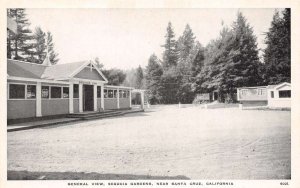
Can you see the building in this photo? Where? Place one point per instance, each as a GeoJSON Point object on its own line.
{"type": "Point", "coordinates": [274, 96]}
{"type": "Point", "coordinates": [35, 90]}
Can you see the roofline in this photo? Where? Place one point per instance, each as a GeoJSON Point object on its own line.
{"type": "Point", "coordinates": [36, 80]}
{"type": "Point", "coordinates": [83, 66]}
{"type": "Point", "coordinates": [27, 62]}
{"type": "Point", "coordinates": [279, 85]}
{"type": "Point", "coordinates": [122, 87]}
{"type": "Point", "coordinates": [252, 87]}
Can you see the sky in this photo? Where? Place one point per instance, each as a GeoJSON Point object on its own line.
{"type": "Point", "coordinates": [125, 38]}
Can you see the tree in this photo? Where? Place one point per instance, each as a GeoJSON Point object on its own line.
{"type": "Point", "coordinates": [169, 54]}
{"type": "Point", "coordinates": [277, 55]}
{"type": "Point", "coordinates": [98, 64]}
{"type": "Point", "coordinates": [53, 56]}
{"type": "Point", "coordinates": [39, 45]}
{"type": "Point", "coordinates": [114, 76]}
{"type": "Point", "coordinates": [242, 62]}
{"type": "Point", "coordinates": [17, 46]}
{"type": "Point", "coordinates": [154, 71]}
{"type": "Point", "coordinates": [185, 44]}
{"type": "Point", "coordinates": [139, 78]}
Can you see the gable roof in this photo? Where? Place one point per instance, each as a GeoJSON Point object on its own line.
{"type": "Point", "coordinates": [24, 69]}
{"type": "Point", "coordinates": [54, 72]}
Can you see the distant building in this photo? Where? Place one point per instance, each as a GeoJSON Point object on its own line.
{"type": "Point", "coordinates": [36, 90]}
{"type": "Point", "coordinates": [271, 95]}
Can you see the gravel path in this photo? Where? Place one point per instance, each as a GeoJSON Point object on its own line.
{"type": "Point", "coordinates": [190, 142]}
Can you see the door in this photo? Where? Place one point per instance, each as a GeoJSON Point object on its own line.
{"type": "Point", "coordinates": [88, 98]}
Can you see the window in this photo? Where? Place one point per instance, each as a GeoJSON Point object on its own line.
{"type": "Point", "coordinates": [45, 92]}
{"type": "Point", "coordinates": [31, 92]}
{"type": "Point", "coordinates": [261, 92]}
{"type": "Point", "coordinates": [124, 94]}
{"type": "Point", "coordinates": [285, 94]}
{"type": "Point", "coordinates": [128, 94]}
{"type": "Point", "coordinates": [16, 91]}
{"type": "Point", "coordinates": [272, 94]}
{"type": "Point", "coordinates": [98, 91]}
{"type": "Point", "coordinates": [105, 93]}
{"type": "Point", "coordinates": [115, 93]}
{"type": "Point", "coordinates": [76, 91]}
{"type": "Point", "coordinates": [120, 93]}
{"type": "Point", "coordinates": [65, 92]}
{"type": "Point", "coordinates": [110, 94]}
{"type": "Point", "coordinates": [55, 92]}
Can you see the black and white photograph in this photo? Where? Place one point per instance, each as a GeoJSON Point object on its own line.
{"type": "Point", "coordinates": [153, 96]}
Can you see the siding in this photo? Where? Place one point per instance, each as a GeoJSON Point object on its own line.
{"type": "Point", "coordinates": [254, 103]}
{"type": "Point", "coordinates": [55, 107]}
{"type": "Point", "coordinates": [110, 103]}
{"type": "Point", "coordinates": [98, 103]}
{"type": "Point", "coordinates": [76, 105]}
{"type": "Point", "coordinates": [86, 73]}
{"type": "Point", "coordinates": [124, 103]}
{"type": "Point", "coordinates": [21, 109]}
{"type": "Point", "coordinates": [252, 95]}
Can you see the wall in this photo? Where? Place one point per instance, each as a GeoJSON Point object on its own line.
{"type": "Point", "coordinates": [110, 103]}
{"type": "Point", "coordinates": [86, 73]}
{"type": "Point", "coordinates": [280, 103]}
{"type": "Point", "coordinates": [21, 109]}
{"type": "Point", "coordinates": [252, 95]}
{"type": "Point", "coordinates": [76, 105]}
{"type": "Point", "coordinates": [98, 103]}
{"type": "Point", "coordinates": [254, 103]}
{"type": "Point", "coordinates": [124, 103]}
{"type": "Point", "coordinates": [55, 106]}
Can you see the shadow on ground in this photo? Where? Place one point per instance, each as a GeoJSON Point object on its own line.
{"type": "Point", "coordinates": [25, 175]}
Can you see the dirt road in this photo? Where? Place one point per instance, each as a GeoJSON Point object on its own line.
{"type": "Point", "coordinates": [189, 142]}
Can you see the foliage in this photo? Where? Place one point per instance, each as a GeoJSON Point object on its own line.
{"type": "Point", "coordinates": [277, 55]}
{"type": "Point", "coordinates": [17, 44]}
{"type": "Point", "coordinates": [154, 71]}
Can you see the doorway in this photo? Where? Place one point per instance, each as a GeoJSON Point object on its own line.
{"type": "Point", "coordinates": [88, 98]}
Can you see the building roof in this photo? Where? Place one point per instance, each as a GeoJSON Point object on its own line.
{"type": "Point", "coordinates": [61, 71]}
{"type": "Point", "coordinates": [23, 69]}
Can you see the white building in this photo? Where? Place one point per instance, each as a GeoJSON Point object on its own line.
{"type": "Point", "coordinates": [273, 96]}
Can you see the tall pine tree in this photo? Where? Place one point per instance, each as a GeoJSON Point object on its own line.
{"type": "Point", "coordinates": [154, 71]}
{"type": "Point", "coordinates": [139, 78]}
{"type": "Point", "coordinates": [17, 44]}
{"type": "Point", "coordinates": [53, 56]}
{"type": "Point", "coordinates": [39, 45]}
{"type": "Point", "coordinates": [277, 55]}
{"type": "Point", "coordinates": [169, 54]}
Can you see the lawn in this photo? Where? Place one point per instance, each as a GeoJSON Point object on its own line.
{"type": "Point", "coordinates": [166, 142]}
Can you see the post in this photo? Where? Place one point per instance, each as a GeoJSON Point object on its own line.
{"type": "Point", "coordinates": [80, 98]}
{"type": "Point", "coordinates": [130, 99]}
{"type": "Point", "coordinates": [38, 99]}
{"type": "Point", "coordinates": [102, 97]}
{"type": "Point", "coordinates": [95, 98]}
{"type": "Point", "coordinates": [142, 99]}
{"type": "Point", "coordinates": [118, 98]}
{"type": "Point", "coordinates": [71, 90]}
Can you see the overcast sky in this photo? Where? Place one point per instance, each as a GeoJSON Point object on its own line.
{"type": "Point", "coordinates": [125, 38]}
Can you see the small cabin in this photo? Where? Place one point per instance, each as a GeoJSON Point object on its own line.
{"type": "Point", "coordinates": [275, 96]}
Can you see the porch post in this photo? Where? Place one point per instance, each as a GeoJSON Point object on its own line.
{"type": "Point", "coordinates": [118, 98]}
{"type": "Point", "coordinates": [142, 99]}
{"type": "Point", "coordinates": [102, 96]}
{"type": "Point", "coordinates": [95, 98]}
{"type": "Point", "coordinates": [71, 109]}
{"type": "Point", "coordinates": [130, 98]}
{"type": "Point", "coordinates": [38, 99]}
{"type": "Point", "coordinates": [80, 98]}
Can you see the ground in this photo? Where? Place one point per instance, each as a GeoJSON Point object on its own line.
{"type": "Point", "coordinates": [162, 143]}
